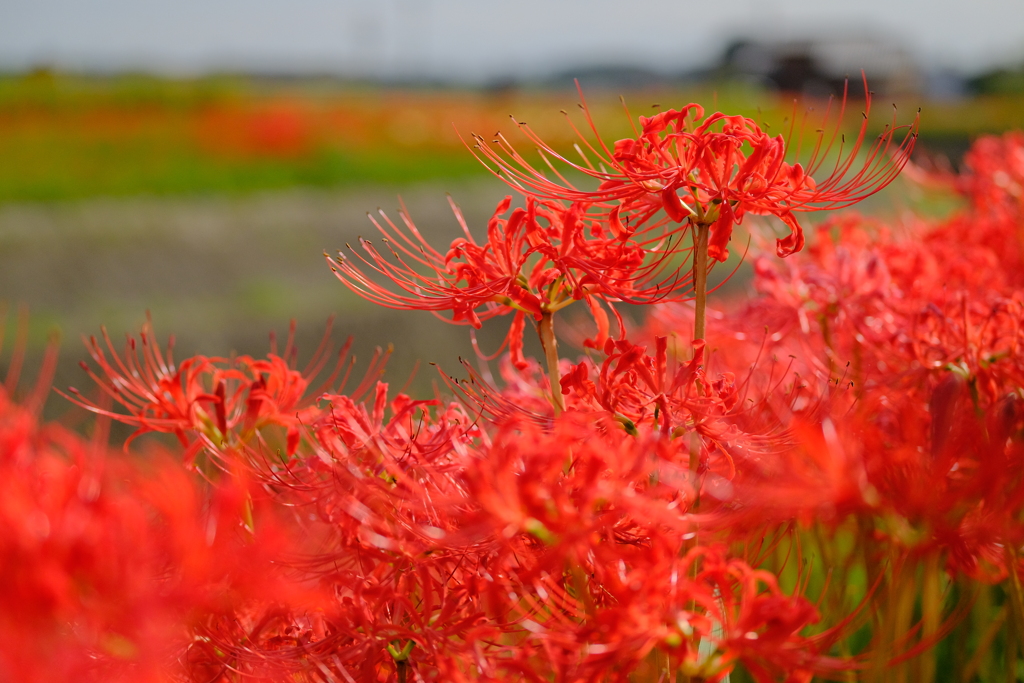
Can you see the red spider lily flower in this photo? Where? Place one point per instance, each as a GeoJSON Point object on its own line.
{"type": "Point", "coordinates": [739, 424]}
{"type": "Point", "coordinates": [712, 171]}
{"type": "Point", "coordinates": [105, 559]}
{"type": "Point", "coordinates": [536, 261]}
{"type": "Point", "coordinates": [700, 612]}
{"type": "Point", "coordinates": [224, 400]}
{"type": "Point", "coordinates": [600, 522]}
{"type": "Point", "coordinates": [764, 628]}
{"type": "Point", "coordinates": [994, 175]}
{"type": "Point", "coordinates": [374, 477]}
{"type": "Point", "coordinates": [557, 508]}
{"type": "Point", "coordinates": [398, 617]}
{"type": "Point", "coordinates": [993, 184]}
{"type": "Point", "coordinates": [906, 308]}
{"type": "Point", "coordinates": [657, 394]}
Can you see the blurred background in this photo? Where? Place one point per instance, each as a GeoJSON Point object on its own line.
{"type": "Point", "coordinates": [195, 159]}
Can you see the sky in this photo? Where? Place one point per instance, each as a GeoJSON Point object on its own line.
{"type": "Point", "coordinates": [480, 40]}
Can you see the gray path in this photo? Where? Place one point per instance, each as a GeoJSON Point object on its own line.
{"type": "Point", "coordinates": [221, 272]}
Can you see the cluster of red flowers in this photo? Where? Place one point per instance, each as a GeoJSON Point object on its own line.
{"type": "Point", "coordinates": [821, 485]}
{"type": "Point", "coordinates": [108, 562]}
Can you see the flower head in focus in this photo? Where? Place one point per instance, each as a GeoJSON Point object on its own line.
{"type": "Point", "coordinates": [714, 170]}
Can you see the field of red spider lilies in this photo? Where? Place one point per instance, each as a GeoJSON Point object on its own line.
{"type": "Point", "coordinates": [823, 480]}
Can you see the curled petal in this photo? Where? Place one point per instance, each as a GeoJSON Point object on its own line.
{"type": "Point", "coordinates": [794, 241]}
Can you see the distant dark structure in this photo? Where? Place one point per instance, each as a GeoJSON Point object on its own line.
{"type": "Point", "coordinates": [819, 67]}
